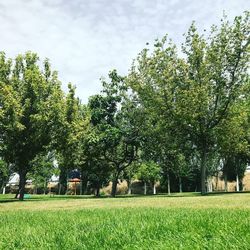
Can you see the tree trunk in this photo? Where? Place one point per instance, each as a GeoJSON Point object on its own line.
{"type": "Point", "coordinates": [180, 184]}
{"type": "Point", "coordinates": [129, 187]}
{"type": "Point", "coordinates": [217, 181]}
{"type": "Point", "coordinates": [3, 189]}
{"type": "Point", "coordinates": [168, 178]}
{"type": "Point", "coordinates": [67, 187]}
{"type": "Point", "coordinates": [63, 180]}
{"type": "Point", "coordinates": [225, 181]}
{"type": "Point", "coordinates": [86, 187]}
{"type": "Point", "coordinates": [81, 187]}
{"type": "Point", "coordinates": [145, 187]}
{"type": "Point", "coordinates": [22, 182]}
{"type": "Point", "coordinates": [44, 187]}
{"type": "Point", "coordinates": [154, 188]}
{"type": "Point", "coordinates": [75, 187]}
{"type": "Point", "coordinates": [114, 184]}
{"type": "Point", "coordinates": [203, 171]}
{"type": "Point", "coordinates": [84, 179]}
{"type": "Point", "coordinates": [209, 185]}
{"type": "Point", "coordinates": [60, 188]}
{"type": "Point", "coordinates": [17, 193]}
{"type": "Point", "coordinates": [97, 194]}
{"type": "Point", "coordinates": [237, 183]}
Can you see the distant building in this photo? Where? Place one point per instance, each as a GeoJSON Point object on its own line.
{"type": "Point", "coordinates": [14, 180]}
{"type": "Point", "coordinates": [248, 168]}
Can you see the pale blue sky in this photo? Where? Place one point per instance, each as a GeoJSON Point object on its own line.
{"type": "Point", "coordinates": [84, 39]}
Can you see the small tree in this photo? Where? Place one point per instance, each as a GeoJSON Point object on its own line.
{"type": "Point", "coordinates": [149, 172]}
{"type": "Point", "coordinates": [42, 169]}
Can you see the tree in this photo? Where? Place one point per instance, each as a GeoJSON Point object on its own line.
{"type": "Point", "coordinates": [112, 115]}
{"type": "Point", "coordinates": [43, 167]}
{"type": "Point", "coordinates": [149, 172]}
{"type": "Point", "coordinates": [30, 100]}
{"type": "Point", "coordinates": [4, 173]}
{"type": "Point", "coordinates": [233, 141]}
{"type": "Point", "coordinates": [69, 142]}
{"type": "Point", "coordinates": [216, 74]}
{"type": "Point", "coordinates": [193, 94]}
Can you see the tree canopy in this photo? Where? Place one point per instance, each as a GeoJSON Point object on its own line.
{"type": "Point", "coordinates": [178, 113]}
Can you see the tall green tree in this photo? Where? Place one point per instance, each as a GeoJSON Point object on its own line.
{"type": "Point", "coordinates": [193, 94]}
{"type": "Point", "coordinates": [112, 114]}
{"type": "Point", "coordinates": [216, 73]}
{"type": "Point", "coordinates": [30, 99]}
{"type": "Point", "coordinates": [233, 141]}
{"type": "Point", "coordinates": [69, 143]}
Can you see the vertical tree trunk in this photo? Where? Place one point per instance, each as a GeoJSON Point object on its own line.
{"type": "Point", "coordinates": [81, 187]}
{"type": "Point", "coordinates": [203, 171]}
{"type": "Point", "coordinates": [17, 193]}
{"type": "Point", "coordinates": [180, 184]}
{"type": "Point", "coordinates": [63, 180]}
{"type": "Point", "coordinates": [154, 187]}
{"type": "Point", "coordinates": [237, 183]}
{"type": "Point", "coordinates": [84, 178]}
{"type": "Point", "coordinates": [114, 184]}
{"type": "Point", "coordinates": [67, 187]}
{"type": "Point", "coordinates": [84, 186]}
{"type": "Point", "coordinates": [217, 181]}
{"type": "Point", "coordinates": [225, 181]}
{"type": "Point", "coordinates": [44, 187]}
{"type": "Point", "coordinates": [22, 182]}
{"type": "Point", "coordinates": [129, 187]}
{"type": "Point", "coordinates": [168, 179]}
{"type": "Point", "coordinates": [145, 187]}
{"type": "Point", "coordinates": [60, 188]}
{"type": "Point", "coordinates": [209, 185]}
{"type": "Point", "coordinates": [3, 189]}
{"type": "Point", "coordinates": [97, 190]}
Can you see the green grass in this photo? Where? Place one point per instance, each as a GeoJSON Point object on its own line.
{"type": "Point", "coordinates": [161, 222]}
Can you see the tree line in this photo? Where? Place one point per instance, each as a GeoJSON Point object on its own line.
{"type": "Point", "coordinates": [180, 116]}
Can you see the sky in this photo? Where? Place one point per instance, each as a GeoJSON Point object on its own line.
{"type": "Point", "coordinates": [85, 39]}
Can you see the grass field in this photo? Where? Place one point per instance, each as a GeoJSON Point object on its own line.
{"type": "Point", "coordinates": [153, 222]}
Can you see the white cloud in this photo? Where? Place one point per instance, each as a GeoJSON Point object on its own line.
{"type": "Point", "coordinates": [86, 39]}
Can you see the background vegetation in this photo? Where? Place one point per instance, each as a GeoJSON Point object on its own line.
{"type": "Point", "coordinates": [178, 117]}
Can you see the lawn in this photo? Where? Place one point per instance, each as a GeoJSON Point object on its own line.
{"type": "Point", "coordinates": [153, 222]}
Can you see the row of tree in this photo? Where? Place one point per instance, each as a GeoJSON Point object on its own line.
{"type": "Point", "coordinates": [175, 116]}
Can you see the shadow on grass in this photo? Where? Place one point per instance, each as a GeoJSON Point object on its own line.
{"type": "Point", "coordinates": [8, 200]}
{"type": "Point", "coordinates": [225, 193]}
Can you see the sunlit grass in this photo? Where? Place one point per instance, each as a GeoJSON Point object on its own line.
{"type": "Point", "coordinates": [154, 222]}
{"type": "Point", "coordinates": [232, 201]}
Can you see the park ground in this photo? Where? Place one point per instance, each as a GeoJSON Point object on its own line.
{"type": "Point", "coordinates": [187, 221]}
